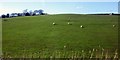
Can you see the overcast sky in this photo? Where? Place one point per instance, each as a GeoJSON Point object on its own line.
{"type": "Point", "coordinates": [60, 7]}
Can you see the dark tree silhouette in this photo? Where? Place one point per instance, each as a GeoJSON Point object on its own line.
{"type": "Point", "coordinates": [35, 11]}
{"type": "Point", "coordinates": [30, 12]}
{"type": "Point", "coordinates": [14, 14]}
{"type": "Point", "coordinates": [27, 14]}
{"type": "Point", "coordinates": [19, 14]}
{"type": "Point", "coordinates": [7, 15]}
{"type": "Point", "coordinates": [3, 16]}
{"type": "Point", "coordinates": [40, 12]}
{"type": "Point", "coordinates": [33, 14]}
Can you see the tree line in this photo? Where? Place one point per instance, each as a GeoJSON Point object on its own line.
{"type": "Point", "coordinates": [24, 13]}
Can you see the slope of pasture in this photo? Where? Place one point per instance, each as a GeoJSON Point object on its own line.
{"type": "Point", "coordinates": [36, 33]}
{"type": "Point", "coordinates": [0, 37]}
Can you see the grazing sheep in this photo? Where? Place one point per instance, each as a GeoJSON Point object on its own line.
{"type": "Point", "coordinates": [54, 23]}
{"type": "Point", "coordinates": [81, 26]}
{"type": "Point", "coordinates": [113, 25]}
{"type": "Point", "coordinates": [69, 23]}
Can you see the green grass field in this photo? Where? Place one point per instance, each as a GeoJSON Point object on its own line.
{"type": "Point", "coordinates": [36, 34]}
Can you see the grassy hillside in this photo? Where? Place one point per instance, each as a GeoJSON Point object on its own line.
{"type": "Point", "coordinates": [37, 33]}
{"type": "Point", "coordinates": [0, 37]}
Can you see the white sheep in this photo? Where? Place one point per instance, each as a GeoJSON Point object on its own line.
{"type": "Point", "coordinates": [69, 23]}
{"type": "Point", "coordinates": [113, 25]}
{"type": "Point", "coordinates": [81, 26]}
{"type": "Point", "coordinates": [53, 23]}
